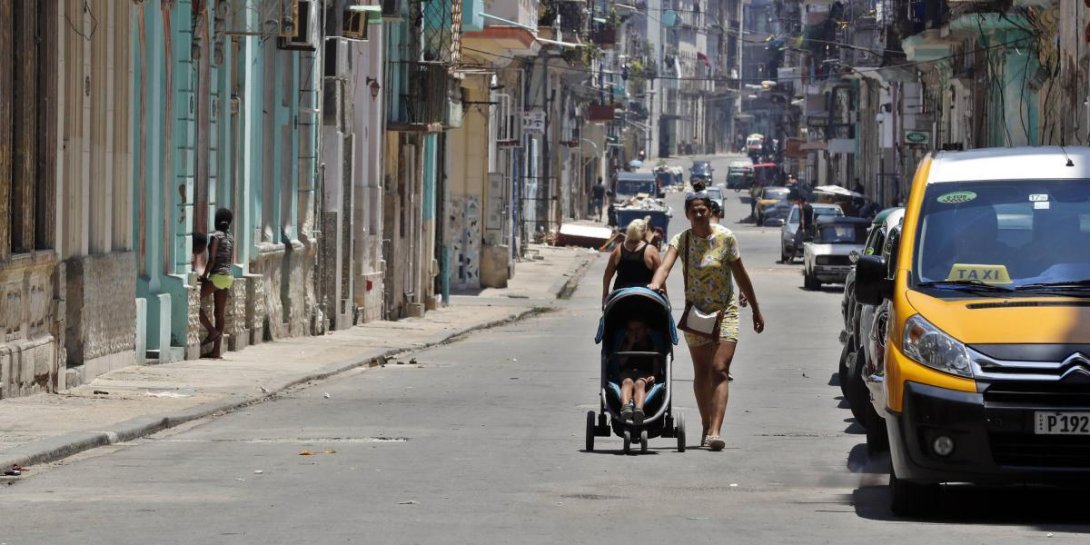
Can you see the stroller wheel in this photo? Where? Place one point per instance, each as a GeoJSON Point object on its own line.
{"type": "Point", "coordinates": [679, 432]}
{"type": "Point", "coordinates": [643, 442]}
{"type": "Point", "coordinates": [627, 441]}
{"type": "Point", "coordinates": [590, 431]}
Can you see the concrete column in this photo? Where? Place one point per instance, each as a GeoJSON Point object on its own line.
{"type": "Point", "coordinates": [141, 331]}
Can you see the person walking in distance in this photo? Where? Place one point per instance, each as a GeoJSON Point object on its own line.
{"type": "Point", "coordinates": [710, 258]}
{"type": "Point", "coordinates": [218, 277]}
{"type": "Point", "coordinates": [598, 195]}
{"type": "Point", "coordinates": [806, 221]}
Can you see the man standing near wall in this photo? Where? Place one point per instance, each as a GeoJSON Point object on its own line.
{"type": "Point", "coordinates": [598, 194]}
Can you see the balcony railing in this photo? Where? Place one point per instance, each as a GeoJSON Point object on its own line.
{"type": "Point", "coordinates": [424, 102]}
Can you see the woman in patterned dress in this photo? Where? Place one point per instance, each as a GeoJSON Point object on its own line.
{"type": "Point", "coordinates": [713, 259]}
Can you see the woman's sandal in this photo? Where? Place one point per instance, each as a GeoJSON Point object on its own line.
{"type": "Point", "coordinates": [716, 443]}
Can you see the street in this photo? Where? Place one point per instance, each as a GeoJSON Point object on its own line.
{"type": "Point", "coordinates": [481, 441]}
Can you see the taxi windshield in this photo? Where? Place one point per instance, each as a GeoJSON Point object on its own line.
{"type": "Point", "coordinates": [1019, 235]}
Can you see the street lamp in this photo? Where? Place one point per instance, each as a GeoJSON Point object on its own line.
{"type": "Point", "coordinates": [375, 87]}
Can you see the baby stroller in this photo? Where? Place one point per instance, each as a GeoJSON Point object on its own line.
{"type": "Point", "coordinates": [660, 421]}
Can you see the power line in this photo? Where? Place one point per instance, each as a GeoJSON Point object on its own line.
{"type": "Point", "coordinates": [861, 70]}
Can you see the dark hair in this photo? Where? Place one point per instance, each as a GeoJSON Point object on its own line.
{"type": "Point", "coordinates": [200, 243]}
{"type": "Point", "coordinates": [714, 206]}
{"type": "Point", "coordinates": [223, 219]}
{"type": "Point", "coordinates": [699, 186]}
{"type": "Point", "coordinates": [696, 196]}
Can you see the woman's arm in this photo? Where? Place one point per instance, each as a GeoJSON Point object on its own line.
{"type": "Point", "coordinates": [744, 284]}
{"type": "Point", "coordinates": [213, 247]}
{"type": "Point", "coordinates": [663, 271]}
{"type": "Point", "coordinates": [611, 269]}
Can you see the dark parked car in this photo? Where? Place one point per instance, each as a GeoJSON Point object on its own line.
{"type": "Point", "coordinates": [858, 325]}
{"type": "Point", "coordinates": [701, 170]}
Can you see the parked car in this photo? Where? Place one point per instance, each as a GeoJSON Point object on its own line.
{"type": "Point", "coordinates": [701, 170]}
{"type": "Point", "coordinates": [716, 194]}
{"type": "Point", "coordinates": [788, 250]}
{"type": "Point", "coordinates": [828, 258]}
{"type": "Point", "coordinates": [982, 371]}
{"type": "Point", "coordinates": [740, 175]}
{"type": "Point", "coordinates": [768, 196]}
{"type": "Point", "coordinates": [776, 215]}
{"type": "Point", "coordinates": [858, 319]}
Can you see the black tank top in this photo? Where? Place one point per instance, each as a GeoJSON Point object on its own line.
{"type": "Point", "coordinates": [631, 270]}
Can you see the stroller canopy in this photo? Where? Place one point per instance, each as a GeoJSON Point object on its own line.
{"type": "Point", "coordinates": [628, 303]}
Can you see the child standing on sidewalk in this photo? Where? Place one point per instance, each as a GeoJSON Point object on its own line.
{"type": "Point", "coordinates": [218, 277]}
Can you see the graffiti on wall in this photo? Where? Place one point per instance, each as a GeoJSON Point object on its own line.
{"type": "Point", "coordinates": [465, 229]}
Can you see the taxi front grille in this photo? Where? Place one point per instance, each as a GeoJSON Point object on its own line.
{"type": "Point", "coordinates": [1052, 395]}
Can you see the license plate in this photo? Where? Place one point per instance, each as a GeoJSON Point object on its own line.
{"type": "Point", "coordinates": [1062, 423]}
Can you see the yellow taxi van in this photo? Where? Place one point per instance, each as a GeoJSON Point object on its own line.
{"type": "Point", "coordinates": [985, 374]}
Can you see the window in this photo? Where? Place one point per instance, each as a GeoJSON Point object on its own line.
{"type": "Point", "coordinates": [28, 146]}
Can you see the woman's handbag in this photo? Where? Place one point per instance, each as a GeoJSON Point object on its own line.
{"type": "Point", "coordinates": [692, 319]}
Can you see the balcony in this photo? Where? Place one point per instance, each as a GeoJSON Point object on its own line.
{"type": "Point", "coordinates": [604, 35]}
{"type": "Point", "coordinates": [423, 102]}
{"type": "Point", "coordinates": [508, 29]}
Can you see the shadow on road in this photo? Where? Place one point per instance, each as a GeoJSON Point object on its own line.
{"type": "Point", "coordinates": [651, 451]}
{"type": "Point", "coordinates": [1048, 509]}
{"type": "Point", "coordinates": [854, 428]}
{"type": "Point", "coordinates": [1043, 507]}
{"type": "Point", "coordinates": [834, 380]}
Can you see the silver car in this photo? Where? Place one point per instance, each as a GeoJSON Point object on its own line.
{"type": "Point", "coordinates": [716, 194]}
{"type": "Point", "coordinates": [788, 250]}
{"type": "Point", "coordinates": [830, 256]}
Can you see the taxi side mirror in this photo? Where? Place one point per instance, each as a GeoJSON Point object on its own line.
{"type": "Point", "coordinates": [872, 286]}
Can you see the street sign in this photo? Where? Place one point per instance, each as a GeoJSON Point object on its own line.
{"type": "Point", "coordinates": [533, 121]}
{"type": "Point", "coordinates": [917, 137]}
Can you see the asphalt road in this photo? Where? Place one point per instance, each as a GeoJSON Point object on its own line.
{"type": "Point", "coordinates": [481, 441]}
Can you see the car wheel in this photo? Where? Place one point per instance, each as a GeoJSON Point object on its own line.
{"type": "Point", "coordinates": [877, 433]}
{"type": "Point", "coordinates": [842, 368]}
{"type": "Point", "coordinates": [911, 499]}
{"type": "Point", "coordinates": [855, 391]}
{"type": "Point", "coordinates": [810, 282]}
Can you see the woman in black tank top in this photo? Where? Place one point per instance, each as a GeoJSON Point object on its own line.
{"type": "Point", "coordinates": [634, 262]}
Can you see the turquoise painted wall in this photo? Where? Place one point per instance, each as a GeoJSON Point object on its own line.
{"type": "Point", "coordinates": [252, 152]}
{"type": "Point", "coordinates": [472, 15]}
{"type": "Point", "coordinates": [431, 168]}
{"type": "Point", "coordinates": [150, 61]}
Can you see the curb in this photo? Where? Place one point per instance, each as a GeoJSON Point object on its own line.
{"type": "Point", "coordinates": [52, 449]}
{"type": "Point", "coordinates": [565, 287]}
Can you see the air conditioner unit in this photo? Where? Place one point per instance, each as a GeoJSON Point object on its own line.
{"type": "Point", "coordinates": [355, 25]}
{"type": "Point", "coordinates": [304, 27]}
{"type": "Point", "coordinates": [289, 14]}
{"type": "Point", "coordinates": [358, 18]}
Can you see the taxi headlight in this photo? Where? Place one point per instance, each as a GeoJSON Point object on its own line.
{"type": "Point", "coordinates": [926, 344]}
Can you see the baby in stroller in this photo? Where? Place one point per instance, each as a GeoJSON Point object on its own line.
{"type": "Point", "coordinates": [637, 373]}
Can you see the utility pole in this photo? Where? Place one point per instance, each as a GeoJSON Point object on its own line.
{"type": "Point", "coordinates": [544, 203]}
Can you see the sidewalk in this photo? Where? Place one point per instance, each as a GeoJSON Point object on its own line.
{"type": "Point", "coordinates": [139, 400]}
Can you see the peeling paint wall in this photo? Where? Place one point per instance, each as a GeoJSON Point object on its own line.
{"type": "Point", "coordinates": [464, 223]}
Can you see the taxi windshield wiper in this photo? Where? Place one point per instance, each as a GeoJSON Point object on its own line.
{"type": "Point", "coordinates": [1059, 285]}
{"type": "Point", "coordinates": [965, 285]}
